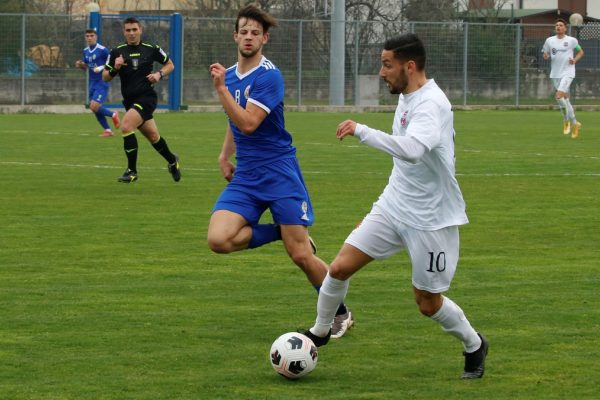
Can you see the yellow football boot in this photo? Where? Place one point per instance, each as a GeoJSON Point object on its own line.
{"type": "Point", "coordinates": [575, 133]}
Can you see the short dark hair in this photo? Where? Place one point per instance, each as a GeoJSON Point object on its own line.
{"type": "Point", "coordinates": [132, 20]}
{"type": "Point", "coordinates": [91, 31]}
{"type": "Point", "coordinates": [251, 11]}
{"type": "Point", "coordinates": [561, 20]}
{"type": "Point", "coordinates": [407, 47]}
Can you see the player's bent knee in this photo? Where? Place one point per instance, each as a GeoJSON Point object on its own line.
{"type": "Point", "coordinates": [219, 246]}
{"type": "Point", "coordinates": [428, 306]}
{"type": "Point", "coordinates": [337, 272]}
{"type": "Point", "coordinates": [127, 128]}
{"type": "Point", "coordinates": [427, 310]}
{"type": "Point", "coordinates": [300, 258]}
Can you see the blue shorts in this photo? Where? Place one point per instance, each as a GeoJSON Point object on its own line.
{"type": "Point", "coordinates": [98, 91]}
{"type": "Point", "coordinates": [278, 186]}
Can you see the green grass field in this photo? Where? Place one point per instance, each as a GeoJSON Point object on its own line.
{"type": "Point", "coordinates": [108, 291]}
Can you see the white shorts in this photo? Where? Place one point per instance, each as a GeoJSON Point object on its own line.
{"type": "Point", "coordinates": [433, 254]}
{"type": "Point", "coordinates": [563, 84]}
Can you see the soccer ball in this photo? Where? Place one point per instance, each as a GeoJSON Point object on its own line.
{"type": "Point", "coordinates": [576, 19]}
{"type": "Point", "coordinates": [293, 355]}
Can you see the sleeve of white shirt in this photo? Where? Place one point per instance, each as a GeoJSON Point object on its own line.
{"type": "Point", "coordinates": [404, 147]}
{"type": "Point", "coordinates": [546, 48]}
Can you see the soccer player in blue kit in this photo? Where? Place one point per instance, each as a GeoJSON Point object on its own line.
{"type": "Point", "coordinates": [94, 58]}
{"type": "Point", "coordinates": [266, 174]}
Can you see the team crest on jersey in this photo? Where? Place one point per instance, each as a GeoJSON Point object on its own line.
{"type": "Point", "coordinates": [247, 92]}
{"type": "Point", "coordinates": [304, 210]}
{"type": "Point", "coordinates": [565, 44]}
{"type": "Point", "coordinates": [403, 120]}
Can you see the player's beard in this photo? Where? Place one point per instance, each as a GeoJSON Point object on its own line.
{"type": "Point", "coordinates": [400, 84]}
{"type": "Point", "coordinates": [249, 53]}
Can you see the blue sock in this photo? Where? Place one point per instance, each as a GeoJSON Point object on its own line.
{"type": "Point", "coordinates": [263, 234]}
{"type": "Point", "coordinates": [105, 112]}
{"type": "Point", "coordinates": [102, 120]}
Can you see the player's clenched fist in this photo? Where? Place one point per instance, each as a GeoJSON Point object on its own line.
{"type": "Point", "coordinates": [217, 73]}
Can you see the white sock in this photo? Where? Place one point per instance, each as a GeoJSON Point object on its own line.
{"type": "Point", "coordinates": [452, 319]}
{"type": "Point", "coordinates": [332, 293]}
{"type": "Point", "coordinates": [570, 112]}
{"type": "Point", "coordinates": [562, 104]}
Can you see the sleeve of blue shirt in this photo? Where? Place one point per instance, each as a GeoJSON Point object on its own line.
{"type": "Point", "coordinates": [267, 91]}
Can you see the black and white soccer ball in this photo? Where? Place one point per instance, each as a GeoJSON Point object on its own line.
{"type": "Point", "coordinates": [293, 355]}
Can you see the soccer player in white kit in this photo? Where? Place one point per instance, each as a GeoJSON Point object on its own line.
{"type": "Point", "coordinates": [564, 52]}
{"type": "Point", "coordinates": [419, 210]}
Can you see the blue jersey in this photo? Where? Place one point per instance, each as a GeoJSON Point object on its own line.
{"type": "Point", "coordinates": [270, 142]}
{"type": "Point", "coordinates": [95, 57]}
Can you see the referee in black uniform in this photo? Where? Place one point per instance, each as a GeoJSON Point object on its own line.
{"type": "Point", "coordinates": [133, 62]}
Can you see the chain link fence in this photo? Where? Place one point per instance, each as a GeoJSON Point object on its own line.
{"type": "Point", "coordinates": [476, 64]}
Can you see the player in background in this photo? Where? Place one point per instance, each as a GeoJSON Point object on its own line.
{"type": "Point", "coordinates": [419, 210]}
{"type": "Point", "coordinates": [134, 61]}
{"type": "Point", "coordinates": [94, 58]}
{"type": "Point", "coordinates": [267, 174]}
{"type": "Point", "coordinates": [564, 52]}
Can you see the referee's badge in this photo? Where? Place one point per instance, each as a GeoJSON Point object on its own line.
{"type": "Point", "coordinates": [304, 210]}
{"type": "Point", "coordinates": [135, 62]}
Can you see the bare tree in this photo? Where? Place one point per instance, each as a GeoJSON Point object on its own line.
{"type": "Point", "coordinates": [430, 10]}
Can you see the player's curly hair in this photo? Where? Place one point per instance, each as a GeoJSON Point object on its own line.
{"type": "Point", "coordinates": [251, 11]}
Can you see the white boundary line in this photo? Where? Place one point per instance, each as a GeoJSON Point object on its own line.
{"type": "Point", "coordinates": [484, 174]}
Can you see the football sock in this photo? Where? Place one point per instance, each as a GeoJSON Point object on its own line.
{"type": "Point", "coordinates": [452, 319]}
{"type": "Point", "coordinates": [105, 112]}
{"type": "Point", "coordinates": [562, 104]}
{"type": "Point", "coordinates": [102, 120]}
{"type": "Point", "coordinates": [332, 293]}
{"type": "Point", "coordinates": [130, 145]}
{"type": "Point", "coordinates": [161, 146]}
{"type": "Point", "coordinates": [263, 234]}
{"type": "Point", "coordinates": [341, 308]}
{"type": "Point", "coordinates": [570, 112]}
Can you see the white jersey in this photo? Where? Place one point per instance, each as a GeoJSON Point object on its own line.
{"type": "Point", "coordinates": [422, 194]}
{"type": "Point", "coordinates": [561, 50]}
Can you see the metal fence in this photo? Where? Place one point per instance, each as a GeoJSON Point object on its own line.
{"type": "Point", "coordinates": [495, 64]}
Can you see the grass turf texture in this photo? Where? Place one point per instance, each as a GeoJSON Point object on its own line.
{"type": "Point", "coordinates": [108, 290]}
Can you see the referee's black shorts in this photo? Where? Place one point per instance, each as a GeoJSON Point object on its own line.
{"type": "Point", "coordinates": [144, 104]}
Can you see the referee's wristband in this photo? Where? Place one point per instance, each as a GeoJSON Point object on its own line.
{"type": "Point", "coordinates": [113, 72]}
